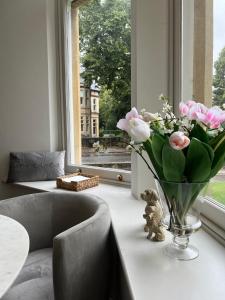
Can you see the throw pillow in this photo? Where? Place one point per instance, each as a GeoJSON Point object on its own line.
{"type": "Point", "coordinates": [35, 166]}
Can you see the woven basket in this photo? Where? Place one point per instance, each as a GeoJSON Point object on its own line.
{"type": "Point", "coordinates": [77, 185]}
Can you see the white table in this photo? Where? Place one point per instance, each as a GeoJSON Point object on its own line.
{"type": "Point", "coordinates": [14, 247]}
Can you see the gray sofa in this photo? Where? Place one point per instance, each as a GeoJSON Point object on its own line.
{"type": "Point", "coordinates": [69, 255]}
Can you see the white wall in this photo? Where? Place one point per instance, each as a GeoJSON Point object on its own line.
{"type": "Point", "coordinates": [150, 69]}
{"type": "Point", "coordinates": [187, 49]}
{"type": "Point", "coordinates": [28, 82]}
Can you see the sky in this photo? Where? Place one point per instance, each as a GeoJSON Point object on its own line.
{"type": "Point", "coordinates": [219, 27]}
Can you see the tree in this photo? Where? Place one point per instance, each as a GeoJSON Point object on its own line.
{"type": "Point", "coordinates": [105, 33]}
{"type": "Point", "coordinates": [107, 119]}
{"type": "Point", "coordinates": [219, 80]}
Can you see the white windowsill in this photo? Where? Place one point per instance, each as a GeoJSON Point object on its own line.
{"type": "Point", "coordinates": [149, 273]}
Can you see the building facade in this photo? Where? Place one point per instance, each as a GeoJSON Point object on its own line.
{"type": "Point", "coordinates": [89, 103]}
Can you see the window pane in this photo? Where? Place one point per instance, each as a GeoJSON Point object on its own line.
{"type": "Point", "coordinates": [105, 55]}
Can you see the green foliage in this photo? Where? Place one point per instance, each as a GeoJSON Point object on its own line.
{"type": "Point", "coordinates": [148, 148]}
{"type": "Point", "coordinates": [158, 142]}
{"type": "Point", "coordinates": [219, 157]}
{"type": "Point", "coordinates": [219, 80]}
{"type": "Point", "coordinates": [199, 133]}
{"type": "Point", "coordinates": [107, 120]}
{"type": "Point", "coordinates": [210, 151]}
{"type": "Point", "coordinates": [214, 141]}
{"type": "Point", "coordinates": [198, 162]}
{"type": "Point", "coordinates": [105, 33]}
{"type": "Point", "coordinates": [173, 162]}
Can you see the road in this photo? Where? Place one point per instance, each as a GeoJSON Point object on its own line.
{"type": "Point", "coordinates": [107, 158]}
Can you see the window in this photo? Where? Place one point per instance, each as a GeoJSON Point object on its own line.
{"type": "Point", "coordinates": [87, 124]}
{"type": "Point", "coordinates": [94, 127]}
{"type": "Point", "coordinates": [94, 104]}
{"type": "Point", "coordinates": [157, 62]}
{"type": "Point", "coordinates": [97, 92]}
{"type": "Point", "coordinates": [82, 123]}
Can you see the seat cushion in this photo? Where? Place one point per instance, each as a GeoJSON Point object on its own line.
{"type": "Point", "coordinates": [35, 279]}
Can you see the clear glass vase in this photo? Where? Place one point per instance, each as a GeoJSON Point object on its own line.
{"type": "Point", "coordinates": [179, 218]}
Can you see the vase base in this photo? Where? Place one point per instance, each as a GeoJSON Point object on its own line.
{"type": "Point", "coordinates": [188, 253]}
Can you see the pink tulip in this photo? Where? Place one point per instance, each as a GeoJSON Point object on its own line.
{"type": "Point", "coordinates": [213, 117]}
{"type": "Point", "coordinates": [191, 108]}
{"type": "Point", "coordinates": [190, 103]}
{"type": "Point", "coordinates": [195, 109]}
{"type": "Point", "coordinates": [133, 124]}
{"type": "Point", "coordinates": [178, 140]}
{"type": "Point", "coordinates": [184, 109]}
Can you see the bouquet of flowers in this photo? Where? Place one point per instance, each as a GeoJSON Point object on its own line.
{"type": "Point", "coordinates": [183, 152]}
{"type": "Point", "coordinates": [190, 148]}
{"type": "Point", "coordinates": [185, 149]}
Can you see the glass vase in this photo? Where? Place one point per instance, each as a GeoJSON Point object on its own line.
{"type": "Point", "coordinates": [179, 218]}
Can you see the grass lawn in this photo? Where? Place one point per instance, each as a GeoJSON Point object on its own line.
{"type": "Point", "coordinates": [216, 190]}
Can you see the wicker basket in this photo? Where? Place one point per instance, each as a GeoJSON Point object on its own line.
{"type": "Point", "coordinates": [77, 186]}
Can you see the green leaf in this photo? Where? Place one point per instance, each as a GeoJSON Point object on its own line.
{"type": "Point", "coordinates": [210, 151]}
{"type": "Point", "coordinates": [214, 141]}
{"type": "Point", "coordinates": [219, 156]}
{"type": "Point", "coordinates": [173, 162]}
{"type": "Point", "coordinates": [158, 142]}
{"type": "Point", "coordinates": [158, 169]}
{"type": "Point", "coordinates": [198, 164]}
{"type": "Point", "coordinates": [199, 133]}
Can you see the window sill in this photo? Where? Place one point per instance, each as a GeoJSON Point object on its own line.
{"type": "Point", "coordinates": [148, 272]}
{"type": "Point", "coordinates": [106, 174]}
{"type": "Point", "coordinates": [210, 211]}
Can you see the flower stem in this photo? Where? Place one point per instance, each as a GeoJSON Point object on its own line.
{"type": "Point", "coordinates": [140, 154]}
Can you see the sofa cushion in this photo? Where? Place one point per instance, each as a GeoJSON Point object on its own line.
{"type": "Point", "coordinates": [35, 279]}
{"type": "Point", "coordinates": [37, 265]}
{"type": "Point", "coordinates": [34, 289]}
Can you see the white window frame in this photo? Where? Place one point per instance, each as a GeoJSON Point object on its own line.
{"type": "Point", "coordinates": [212, 217]}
